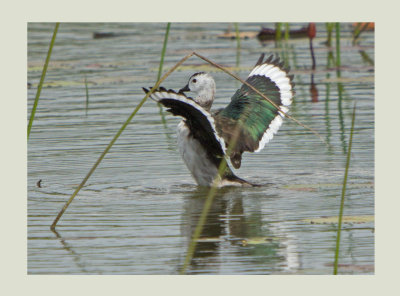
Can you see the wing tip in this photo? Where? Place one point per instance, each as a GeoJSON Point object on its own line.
{"type": "Point", "coordinates": [260, 60]}
{"type": "Point", "coordinates": [273, 59]}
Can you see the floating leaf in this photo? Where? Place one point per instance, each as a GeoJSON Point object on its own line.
{"type": "Point", "coordinates": [242, 35]}
{"type": "Point", "coordinates": [348, 79]}
{"type": "Point", "coordinates": [209, 240]}
{"type": "Point", "coordinates": [346, 219]}
{"type": "Point", "coordinates": [258, 240]}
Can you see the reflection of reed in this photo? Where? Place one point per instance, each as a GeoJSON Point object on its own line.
{"type": "Point", "coordinates": [213, 229]}
{"type": "Point", "coordinates": [313, 90]}
{"type": "Point", "coordinates": [237, 45]}
{"type": "Point", "coordinates": [339, 229]}
{"type": "Point", "coordinates": [75, 256]}
{"type": "Point", "coordinates": [341, 118]}
{"type": "Point", "coordinates": [340, 89]}
{"type": "Point", "coordinates": [330, 62]}
{"type": "Point", "coordinates": [312, 32]}
{"type": "Point", "coordinates": [87, 96]}
{"type": "Point", "coordinates": [227, 225]}
{"type": "Point", "coordinates": [327, 118]}
{"type": "Point", "coordinates": [282, 44]}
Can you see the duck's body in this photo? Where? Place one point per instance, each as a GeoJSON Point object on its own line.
{"type": "Point", "coordinates": [202, 167]}
{"type": "Point", "coordinates": [195, 156]}
{"type": "Point", "coordinates": [203, 137]}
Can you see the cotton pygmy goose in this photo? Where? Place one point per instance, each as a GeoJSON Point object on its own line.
{"type": "Point", "coordinates": [204, 136]}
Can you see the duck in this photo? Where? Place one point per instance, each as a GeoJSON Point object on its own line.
{"type": "Point", "coordinates": [204, 135]}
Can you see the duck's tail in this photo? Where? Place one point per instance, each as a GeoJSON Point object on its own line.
{"type": "Point", "coordinates": [230, 179]}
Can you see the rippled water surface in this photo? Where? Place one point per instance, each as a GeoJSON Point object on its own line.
{"type": "Point", "coordinates": [139, 209]}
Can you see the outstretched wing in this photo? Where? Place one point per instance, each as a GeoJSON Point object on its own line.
{"type": "Point", "coordinates": [254, 118]}
{"type": "Point", "coordinates": [199, 121]}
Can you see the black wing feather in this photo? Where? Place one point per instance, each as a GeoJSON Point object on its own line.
{"type": "Point", "coordinates": [196, 118]}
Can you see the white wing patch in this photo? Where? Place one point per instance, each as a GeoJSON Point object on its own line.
{"type": "Point", "coordinates": [282, 80]}
{"type": "Point", "coordinates": [158, 95]}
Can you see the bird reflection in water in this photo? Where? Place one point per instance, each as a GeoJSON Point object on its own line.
{"type": "Point", "coordinates": [229, 230]}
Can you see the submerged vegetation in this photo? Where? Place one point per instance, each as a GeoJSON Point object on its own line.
{"type": "Point", "coordinates": [281, 36]}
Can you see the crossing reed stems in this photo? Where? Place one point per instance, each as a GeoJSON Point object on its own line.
{"type": "Point", "coordinates": [262, 95]}
{"type": "Point", "coordinates": [53, 226]}
{"type": "Point", "coordinates": [213, 190]}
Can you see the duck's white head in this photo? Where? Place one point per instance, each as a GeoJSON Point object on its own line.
{"type": "Point", "coordinates": [203, 85]}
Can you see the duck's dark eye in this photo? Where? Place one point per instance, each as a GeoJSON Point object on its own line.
{"type": "Point", "coordinates": [194, 80]}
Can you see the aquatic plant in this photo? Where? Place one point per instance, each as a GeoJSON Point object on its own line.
{"type": "Point", "coordinates": [338, 60]}
{"type": "Point", "coordinates": [53, 225]}
{"type": "Point", "coordinates": [278, 32]}
{"type": "Point", "coordinates": [237, 45]}
{"type": "Point", "coordinates": [40, 85]}
{"type": "Point", "coordinates": [87, 95]}
{"type": "Point", "coordinates": [343, 194]}
{"type": "Point", "coordinates": [160, 68]}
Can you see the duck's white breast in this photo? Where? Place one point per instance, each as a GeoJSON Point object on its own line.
{"type": "Point", "coordinates": [195, 157]}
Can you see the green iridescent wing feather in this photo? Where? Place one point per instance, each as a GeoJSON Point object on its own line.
{"type": "Point", "coordinates": [250, 115]}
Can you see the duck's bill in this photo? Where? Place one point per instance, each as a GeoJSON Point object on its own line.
{"type": "Point", "coordinates": [186, 88]}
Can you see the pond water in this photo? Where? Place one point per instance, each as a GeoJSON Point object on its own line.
{"type": "Point", "coordinates": [137, 212]}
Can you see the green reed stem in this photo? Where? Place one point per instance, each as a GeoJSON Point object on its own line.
{"type": "Point", "coordinates": [335, 265]}
{"type": "Point", "coordinates": [163, 51]}
{"type": "Point", "coordinates": [160, 68]}
{"type": "Point", "coordinates": [338, 61]}
{"type": "Point", "coordinates": [278, 31]}
{"type": "Point", "coordinates": [358, 30]}
{"type": "Point", "coordinates": [287, 32]}
{"type": "Point", "coordinates": [53, 226]}
{"type": "Point", "coordinates": [39, 89]}
{"type": "Point", "coordinates": [366, 57]}
{"type": "Point", "coordinates": [329, 29]}
{"type": "Point", "coordinates": [237, 45]}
